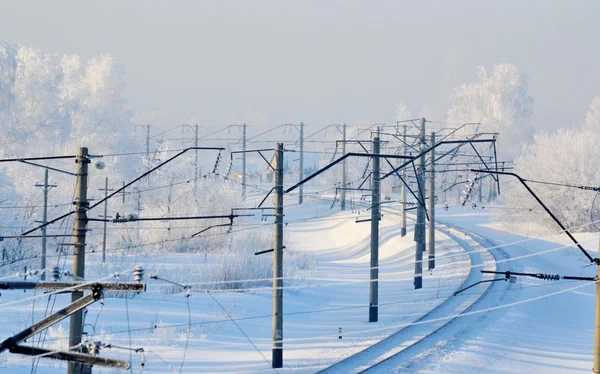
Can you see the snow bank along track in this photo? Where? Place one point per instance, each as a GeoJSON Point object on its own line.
{"type": "Point", "coordinates": [407, 340]}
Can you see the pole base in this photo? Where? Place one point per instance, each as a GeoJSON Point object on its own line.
{"type": "Point", "coordinates": [277, 358]}
{"type": "Point", "coordinates": [373, 313]}
{"type": "Point", "coordinates": [431, 262]}
{"type": "Point", "coordinates": [418, 282]}
{"type": "Point", "coordinates": [402, 232]}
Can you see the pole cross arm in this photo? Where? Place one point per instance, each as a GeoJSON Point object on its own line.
{"type": "Point", "coordinates": [52, 319]}
{"type": "Point", "coordinates": [22, 159]}
{"type": "Point", "coordinates": [211, 227]}
{"type": "Point", "coordinates": [435, 146]}
{"type": "Point", "coordinates": [124, 287]}
{"type": "Point", "coordinates": [351, 154]}
{"type": "Point", "coordinates": [71, 356]}
{"type": "Point", "coordinates": [121, 219]}
{"type": "Point", "coordinates": [49, 168]}
{"type": "Point", "coordinates": [480, 282]}
{"type": "Point", "coordinates": [544, 276]}
{"type": "Point", "coordinates": [592, 260]}
{"type": "Point", "coordinates": [117, 191]}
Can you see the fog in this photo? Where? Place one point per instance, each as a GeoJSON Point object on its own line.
{"type": "Point", "coordinates": [268, 62]}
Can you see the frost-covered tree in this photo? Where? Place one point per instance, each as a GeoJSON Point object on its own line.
{"type": "Point", "coordinates": [500, 101]}
{"type": "Point", "coordinates": [591, 122]}
{"type": "Point", "coordinates": [402, 112]}
{"type": "Point", "coordinates": [567, 156]}
{"type": "Point", "coordinates": [51, 105]}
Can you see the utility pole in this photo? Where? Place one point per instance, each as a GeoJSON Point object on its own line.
{"type": "Point", "coordinates": [480, 188]}
{"type": "Point", "coordinates": [244, 162]}
{"type": "Point", "coordinates": [403, 187]}
{"type": "Point", "coordinates": [277, 358]}
{"type": "Point", "coordinates": [343, 193]}
{"type": "Point", "coordinates": [196, 158]}
{"type": "Point", "coordinates": [139, 199]}
{"type": "Point", "coordinates": [371, 179]}
{"type": "Point", "coordinates": [105, 217]}
{"type": "Point", "coordinates": [491, 184]}
{"type": "Point", "coordinates": [45, 187]}
{"type": "Point", "coordinates": [301, 171]}
{"type": "Point", "coordinates": [596, 368]}
{"type": "Point", "coordinates": [432, 205]}
{"type": "Point", "coordinates": [375, 216]}
{"type": "Point", "coordinates": [420, 225]}
{"type": "Point", "coordinates": [148, 142]}
{"type": "Point", "coordinates": [79, 231]}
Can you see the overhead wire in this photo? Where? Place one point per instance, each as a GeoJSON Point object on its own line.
{"type": "Point", "coordinates": [393, 326]}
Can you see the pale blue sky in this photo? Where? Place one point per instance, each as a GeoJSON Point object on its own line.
{"type": "Point", "coordinates": [321, 61]}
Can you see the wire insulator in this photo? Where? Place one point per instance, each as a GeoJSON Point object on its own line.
{"type": "Point", "coordinates": [142, 361]}
{"type": "Point", "coordinates": [545, 276]}
{"type": "Point", "coordinates": [138, 274]}
{"type": "Point", "coordinates": [228, 169]}
{"type": "Point", "coordinates": [55, 275]}
{"type": "Point", "coordinates": [94, 348]}
{"type": "Point", "coordinates": [334, 153]}
{"type": "Point", "coordinates": [217, 163]}
{"type": "Point", "coordinates": [364, 175]}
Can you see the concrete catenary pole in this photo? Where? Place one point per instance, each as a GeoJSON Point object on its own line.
{"type": "Point", "coordinates": [301, 168]}
{"type": "Point", "coordinates": [343, 192]}
{"type": "Point", "coordinates": [420, 225]}
{"type": "Point", "coordinates": [375, 216]}
{"type": "Point", "coordinates": [596, 368]}
{"type": "Point", "coordinates": [432, 205]}
{"type": "Point", "coordinates": [244, 161]}
{"type": "Point", "coordinates": [277, 358]}
{"type": "Point", "coordinates": [403, 187]}
{"type": "Point", "coordinates": [44, 220]}
{"type": "Point", "coordinates": [81, 205]}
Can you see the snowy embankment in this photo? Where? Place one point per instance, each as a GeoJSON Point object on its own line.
{"type": "Point", "coordinates": [532, 326]}
{"type": "Point", "coordinates": [329, 292]}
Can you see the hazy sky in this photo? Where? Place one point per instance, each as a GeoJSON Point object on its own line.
{"type": "Point", "coordinates": [269, 62]}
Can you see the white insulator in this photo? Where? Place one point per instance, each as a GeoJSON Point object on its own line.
{"type": "Point", "coordinates": [138, 274]}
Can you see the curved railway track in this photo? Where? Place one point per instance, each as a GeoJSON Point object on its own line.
{"type": "Point", "coordinates": [407, 342]}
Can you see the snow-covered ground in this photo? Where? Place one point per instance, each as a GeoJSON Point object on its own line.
{"type": "Point", "coordinates": [527, 329]}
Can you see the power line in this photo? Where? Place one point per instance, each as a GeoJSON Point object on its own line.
{"type": "Point", "coordinates": [395, 326]}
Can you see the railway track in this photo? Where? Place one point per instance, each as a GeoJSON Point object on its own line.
{"type": "Point", "coordinates": [405, 343]}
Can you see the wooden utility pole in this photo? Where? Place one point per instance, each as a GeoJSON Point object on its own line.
{"type": "Point", "coordinates": [375, 216]}
{"type": "Point", "coordinates": [105, 217]}
{"type": "Point", "coordinates": [277, 358]}
{"type": "Point", "coordinates": [45, 187]}
{"type": "Point", "coordinates": [432, 204]}
{"type": "Point", "coordinates": [343, 192]}
{"type": "Point", "coordinates": [79, 231]}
